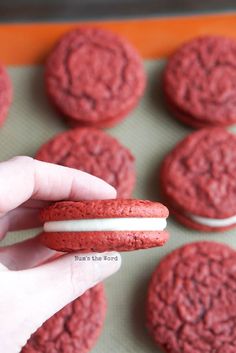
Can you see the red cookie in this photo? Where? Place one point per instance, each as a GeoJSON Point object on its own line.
{"type": "Point", "coordinates": [198, 180]}
{"type": "Point", "coordinates": [5, 94]}
{"type": "Point", "coordinates": [199, 82]}
{"type": "Point", "coordinates": [94, 77]}
{"type": "Point", "coordinates": [191, 301]}
{"type": "Point", "coordinates": [94, 152]}
{"type": "Point", "coordinates": [184, 118]}
{"type": "Point", "coordinates": [104, 225]}
{"type": "Point", "coordinates": [73, 329]}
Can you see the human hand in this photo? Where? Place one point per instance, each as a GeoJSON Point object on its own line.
{"type": "Point", "coordinates": [33, 287]}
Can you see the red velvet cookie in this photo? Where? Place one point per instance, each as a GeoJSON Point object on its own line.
{"type": "Point", "coordinates": [94, 77]}
{"type": "Point", "coordinates": [104, 225]}
{"type": "Point", "coordinates": [5, 94]}
{"type": "Point", "coordinates": [191, 301]}
{"type": "Point", "coordinates": [95, 152]}
{"type": "Point", "coordinates": [73, 329]}
{"type": "Point", "coordinates": [199, 82]}
{"type": "Point", "coordinates": [198, 180]}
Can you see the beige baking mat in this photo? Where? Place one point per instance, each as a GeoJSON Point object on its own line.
{"type": "Point", "coordinates": [150, 133]}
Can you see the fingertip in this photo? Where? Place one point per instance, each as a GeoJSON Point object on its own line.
{"type": "Point", "coordinates": [114, 259]}
{"type": "Point", "coordinates": [94, 187]}
{"type": "Point", "coordinates": [110, 264]}
{"type": "Point", "coordinates": [93, 268]}
{"type": "Point", "coordinates": [109, 192]}
{"type": "Point", "coordinates": [114, 192]}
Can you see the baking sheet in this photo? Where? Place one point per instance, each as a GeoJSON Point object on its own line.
{"type": "Point", "coordinates": [150, 133]}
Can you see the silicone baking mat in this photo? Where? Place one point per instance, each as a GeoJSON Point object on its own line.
{"type": "Point", "coordinates": [150, 132]}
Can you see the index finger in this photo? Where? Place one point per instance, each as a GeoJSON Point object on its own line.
{"type": "Point", "coordinates": [22, 178]}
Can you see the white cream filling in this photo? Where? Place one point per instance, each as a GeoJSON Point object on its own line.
{"type": "Point", "coordinates": [106, 225]}
{"type": "Point", "coordinates": [213, 222]}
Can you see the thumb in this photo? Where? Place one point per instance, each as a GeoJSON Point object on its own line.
{"type": "Point", "coordinates": [44, 290]}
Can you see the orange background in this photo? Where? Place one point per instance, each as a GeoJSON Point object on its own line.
{"type": "Point", "coordinates": [27, 44]}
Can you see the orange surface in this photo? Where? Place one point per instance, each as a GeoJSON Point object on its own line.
{"type": "Point", "coordinates": [27, 44]}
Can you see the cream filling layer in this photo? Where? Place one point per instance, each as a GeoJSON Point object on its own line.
{"type": "Point", "coordinates": [106, 225]}
{"type": "Point", "coordinates": [213, 222]}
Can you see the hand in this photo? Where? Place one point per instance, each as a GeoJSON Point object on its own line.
{"type": "Point", "coordinates": [33, 286]}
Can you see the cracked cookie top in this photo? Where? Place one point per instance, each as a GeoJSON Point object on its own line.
{"type": "Point", "coordinates": [198, 175]}
{"type": "Point", "coordinates": [191, 302]}
{"type": "Point", "coordinates": [95, 152]}
{"type": "Point", "coordinates": [199, 81]}
{"type": "Point", "coordinates": [94, 76]}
